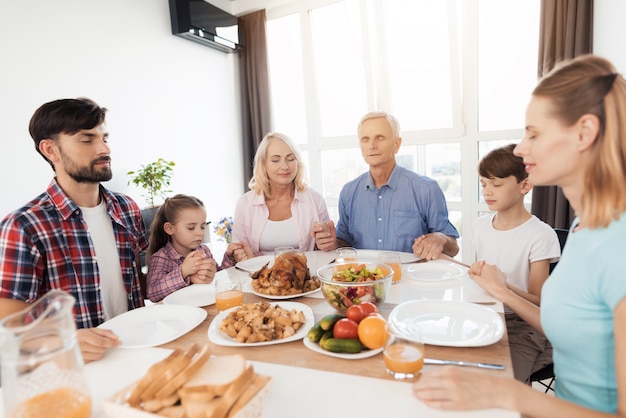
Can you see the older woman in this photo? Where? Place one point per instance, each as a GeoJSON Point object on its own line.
{"type": "Point", "coordinates": [280, 208]}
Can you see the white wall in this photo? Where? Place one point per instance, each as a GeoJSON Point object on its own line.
{"type": "Point", "coordinates": [167, 96]}
{"type": "Point", "coordinates": [609, 31]}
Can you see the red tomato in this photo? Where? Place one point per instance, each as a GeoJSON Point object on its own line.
{"type": "Point", "coordinates": [368, 308]}
{"type": "Point", "coordinates": [355, 313]}
{"type": "Point", "coordinates": [376, 314]}
{"type": "Point", "coordinates": [346, 328]}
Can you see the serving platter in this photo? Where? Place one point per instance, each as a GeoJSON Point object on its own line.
{"type": "Point", "coordinates": [250, 288]}
{"type": "Point", "coordinates": [448, 323]}
{"type": "Point", "coordinates": [194, 295]}
{"type": "Point", "coordinates": [434, 271]}
{"type": "Point", "coordinates": [154, 325]}
{"type": "Point", "coordinates": [356, 356]}
{"type": "Point", "coordinates": [220, 338]}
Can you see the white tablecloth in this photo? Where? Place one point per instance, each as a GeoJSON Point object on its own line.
{"type": "Point", "coordinates": [295, 392]}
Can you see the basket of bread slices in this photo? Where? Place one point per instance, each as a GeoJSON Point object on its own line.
{"type": "Point", "coordinates": [193, 384]}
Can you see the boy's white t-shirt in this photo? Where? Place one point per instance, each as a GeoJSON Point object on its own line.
{"type": "Point", "coordinates": [513, 250]}
{"type": "Point", "coordinates": [99, 224]}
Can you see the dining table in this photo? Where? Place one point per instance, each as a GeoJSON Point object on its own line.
{"type": "Point", "coordinates": [307, 383]}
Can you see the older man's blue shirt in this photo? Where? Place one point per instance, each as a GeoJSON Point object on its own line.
{"type": "Point", "coordinates": [390, 218]}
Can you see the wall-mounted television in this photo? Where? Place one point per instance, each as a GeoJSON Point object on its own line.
{"type": "Point", "coordinates": [199, 21]}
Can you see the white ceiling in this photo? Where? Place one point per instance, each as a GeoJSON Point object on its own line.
{"type": "Point", "coordinates": [242, 7]}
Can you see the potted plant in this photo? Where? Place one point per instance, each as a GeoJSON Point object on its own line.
{"type": "Point", "coordinates": [155, 179]}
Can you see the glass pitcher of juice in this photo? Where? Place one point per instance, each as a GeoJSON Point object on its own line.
{"type": "Point", "coordinates": [42, 367]}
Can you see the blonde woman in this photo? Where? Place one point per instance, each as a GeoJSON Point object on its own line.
{"type": "Point", "coordinates": [575, 138]}
{"type": "Point", "coordinates": [280, 208]}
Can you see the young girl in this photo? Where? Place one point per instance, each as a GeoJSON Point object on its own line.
{"type": "Point", "coordinates": [176, 255]}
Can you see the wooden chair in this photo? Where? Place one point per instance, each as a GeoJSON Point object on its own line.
{"type": "Point", "coordinates": [547, 372]}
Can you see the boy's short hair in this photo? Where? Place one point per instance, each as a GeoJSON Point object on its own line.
{"type": "Point", "coordinates": [502, 163]}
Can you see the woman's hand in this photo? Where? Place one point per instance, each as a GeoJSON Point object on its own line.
{"type": "Point", "coordinates": [454, 388]}
{"type": "Point", "coordinates": [325, 235]}
{"type": "Point", "coordinates": [239, 251]}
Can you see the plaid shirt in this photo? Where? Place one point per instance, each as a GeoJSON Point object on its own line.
{"type": "Point", "coordinates": [165, 275]}
{"type": "Point", "coordinates": [46, 245]}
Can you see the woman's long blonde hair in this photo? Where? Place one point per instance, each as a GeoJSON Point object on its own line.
{"type": "Point", "coordinates": [260, 181]}
{"type": "Point", "coordinates": [590, 84]}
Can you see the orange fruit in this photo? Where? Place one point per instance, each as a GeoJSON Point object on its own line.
{"type": "Point", "coordinates": [372, 331]}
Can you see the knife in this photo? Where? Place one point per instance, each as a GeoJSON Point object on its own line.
{"type": "Point", "coordinates": [464, 363]}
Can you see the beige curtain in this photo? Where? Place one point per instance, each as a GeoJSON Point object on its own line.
{"type": "Point", "coordinates": [255, 97]}
{"type": "Point", "coordinates": [566, 31]}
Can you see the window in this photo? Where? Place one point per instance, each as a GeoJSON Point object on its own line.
{"type": "Point", "coordinates": [457, 74]}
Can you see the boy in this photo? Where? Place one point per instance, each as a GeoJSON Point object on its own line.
{"type": "Point", "coordinates": [521, 245]}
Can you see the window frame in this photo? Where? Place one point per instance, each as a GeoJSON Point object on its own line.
{"type": "Point", "coordinates": [464, 75]}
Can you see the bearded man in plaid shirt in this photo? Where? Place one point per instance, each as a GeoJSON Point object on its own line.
{"type": "Point", "coordinates": [77, 236]}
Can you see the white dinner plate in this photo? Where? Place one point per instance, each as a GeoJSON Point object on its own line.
{"type": "Point", "coordinates": [193, 295]}
{"type": "Point", "coordinates": [154, 325]}
{"type": "Point", "coordinates": [283, 297]}
{"type": "Point", "coordinates": [434, 271]}
{"type": "Point", "coordinates": [218, 337]}
{"type": "Point", "coordinates": [448, 323]}
{"type": "Point", "coordinates": [372, 255]}
{"type": "Point", "coordinates": [356, 356]}
{"type": "Point", "coordinates": [254, 264]}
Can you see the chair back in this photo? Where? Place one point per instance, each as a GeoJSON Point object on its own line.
{"type": "Point", "coordinates": [562, 235]}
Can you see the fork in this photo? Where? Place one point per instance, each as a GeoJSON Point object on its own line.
{"type": "Point", "coordinates": [441, 257]}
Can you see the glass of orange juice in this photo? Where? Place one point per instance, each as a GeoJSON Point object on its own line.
{"type": "Point", "coordinates": [403, 355]}
{"type": "Point", "coordinates": [228, 293]}
{"type": "Point", "coordinates": [392, 260]}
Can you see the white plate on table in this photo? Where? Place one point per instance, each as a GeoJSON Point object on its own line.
{"type": "Point", "coordinates": [218, 337]}
{"type": "Point", "coordinates": [448, 323]}
{"type": "Point", "coordinates": [252, 265]}
{"type": "Point", "coordinates": [154, 325]}
{"type": "Point", "coordinates": [356, 356]}
{"type": "Point", "coordinates": [194, 295]}
{"type": "Point", "coordinates": [372, 255]}
{"type": "Point", "coordinates": [434, 271]}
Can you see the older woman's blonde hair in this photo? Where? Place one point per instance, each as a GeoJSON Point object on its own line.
{"type": "Point", "coordinates": [260, 181]}
{"type": "Point", "coordinates": [393, 122]}
{"type": "Point", "coordinates": [590, 84]}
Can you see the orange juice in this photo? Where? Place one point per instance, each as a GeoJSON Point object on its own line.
{"type": "Point", "coordinates": [63, 402]}
{"type": "Point", "coordinates": [397, 272]}
{"type": "Point", "coordinates": [228, 299]}
{"type": "Point", "coordinates": [403, 358]}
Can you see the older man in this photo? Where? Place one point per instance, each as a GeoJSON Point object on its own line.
{"type": "Point", "coordinates": [390, 207]}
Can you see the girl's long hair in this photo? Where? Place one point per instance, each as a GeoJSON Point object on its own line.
{"type": "Point", "coordinates": [590, 84]}
{"type": "Point", "coordinates": [168, 212]}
